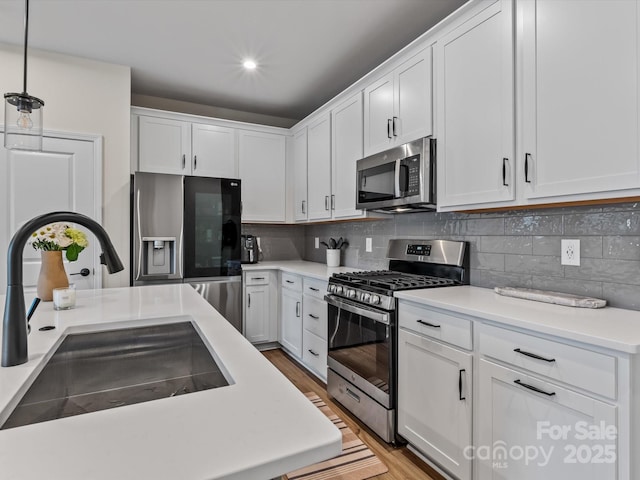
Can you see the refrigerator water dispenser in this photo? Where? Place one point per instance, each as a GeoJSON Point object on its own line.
{"type": "Point", "coordinates": [159, 254]}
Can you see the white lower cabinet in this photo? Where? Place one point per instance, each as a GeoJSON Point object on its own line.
{"type": "Point", "coordinates": [314, 324]}
{"type": "Point", "coordinates": [260, 306]}
{"type": "Point", "coordinates": [291, 314]}
{"type": "Point", "coordinates": [434, 400]}
{"type": "Point", "coordinates": [531, 429]}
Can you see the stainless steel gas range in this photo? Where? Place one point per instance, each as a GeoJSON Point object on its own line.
{"type": "Point", "coordinates": [362, 325]}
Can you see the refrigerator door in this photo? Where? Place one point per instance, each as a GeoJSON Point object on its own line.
{"type": "Point", "coordinates": [157, 228]}
{"type": "Point", "coordinates": [212, 227]}
{"type": "Point", "coordinates": [225, 294]}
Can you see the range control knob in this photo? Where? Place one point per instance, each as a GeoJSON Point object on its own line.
{"type": "Point", "coordinates": [351, 293]}
{"type": "Point", "coordinates": [366, 297]}
{"type": "Point", "coordinates": [331, 288]}
{"type": "Point", "coordinates": [338, 289]}
{"type": "Point", "coordinates": [375, 300]}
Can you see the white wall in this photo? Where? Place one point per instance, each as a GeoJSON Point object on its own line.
{"type": "Point", "coordinates": [85, 96]}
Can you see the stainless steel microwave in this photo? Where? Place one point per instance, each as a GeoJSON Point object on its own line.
{"type": "Point", "coordinates": [401, 179]}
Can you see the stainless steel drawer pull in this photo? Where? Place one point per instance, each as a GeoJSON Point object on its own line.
{"type": "Point", "coordinates": [315, 317]}
{"type": "Point", "coordinates": [289, 281]}
{"type": "Point", "coordinates": [533, 355]}
{"type": "Point", "coordinates": [257, 278]}
{"type": "Point", "coordinates": [353, 395]}
{"type": "Point", "coordinates": [248, 300]}
{"type": "Point", "coordinates": [432, 325]}
{"type": "Point", "coordinates": [534, 389]}
{"type": "Point", "coordinates": [314, 353]}
{"type": "Point", "coordinates": [314, 289]}
{"type": "Point", "coordinates": [297, 309]}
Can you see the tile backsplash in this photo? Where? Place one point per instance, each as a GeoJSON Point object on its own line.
{"type": "Point", "coordinates": [519, 248]}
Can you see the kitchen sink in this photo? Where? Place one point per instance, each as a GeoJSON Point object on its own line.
{"type": "Point", "coordinates": [108, 369]}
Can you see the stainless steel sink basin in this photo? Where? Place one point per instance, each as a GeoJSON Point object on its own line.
{"type": "Point", "coordinates": [95, 371]}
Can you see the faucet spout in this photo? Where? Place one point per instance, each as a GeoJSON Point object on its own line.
{"type": "Point", "coordinates": [14, 324]}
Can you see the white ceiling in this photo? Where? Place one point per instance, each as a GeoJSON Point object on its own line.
{"type": "Point", "coordinates": [191, 50]}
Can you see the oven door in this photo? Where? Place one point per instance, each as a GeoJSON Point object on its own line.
{"type": "Point", "coordinates": [361, 344]}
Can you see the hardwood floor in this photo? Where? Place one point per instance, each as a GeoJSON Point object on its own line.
{"type": "Point", "coordinates": [402, 463]}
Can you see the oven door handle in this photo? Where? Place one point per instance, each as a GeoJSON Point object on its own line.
{"type": "Point", "coordinates": [350, 307]}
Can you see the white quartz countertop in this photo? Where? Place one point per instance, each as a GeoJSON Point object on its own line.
{"type": "Point", "coordinates": [259, 427]}
{"type": "Point", "coordinates": [612, 328]}
{"type": "Point", "coordinates": [300, 267]}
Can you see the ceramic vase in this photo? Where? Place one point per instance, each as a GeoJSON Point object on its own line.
{"type": "Point", "coordinates": [52, 275]}
{"type": "Point", "coordinates": [333, 257]}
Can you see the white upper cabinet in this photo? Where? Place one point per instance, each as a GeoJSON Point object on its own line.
{"type": "Point", "coordinates": [319, 168]}
{"type": "Point", "coordinates": [262, 172]}
{"type": "Point", "coordinates": [164, 146]}
{"type": "Point", "coordinates": [300, 175]}
{"type": "Point", "coordinates": [214, 151]}
{"type": "Point", "coordinates": [178, 147]}
{"type": "Point", "coordinates": [346, 143]}
{"type": "Point", "coordinates": [579, 98]}
{"type": "Point", "coordinates": [475, 110]}
{"type": "Point", "coordinates": [397, 107]}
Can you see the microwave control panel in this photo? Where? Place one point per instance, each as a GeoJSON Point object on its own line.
{"type": "Point", "coordinates": [423, 250]}
{"type": "Point", "coordinates": [412, 164]}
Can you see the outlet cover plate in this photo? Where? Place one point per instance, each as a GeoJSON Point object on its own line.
{"type": "Point", "coordinates": [317, 242]}
{"type": "Point", "coordinates": [368, 244]}
{"type": "Point", "coordinates": [570, 252]}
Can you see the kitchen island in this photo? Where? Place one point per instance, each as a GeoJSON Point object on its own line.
{"type": "Point", "coordinates": [258, 427]}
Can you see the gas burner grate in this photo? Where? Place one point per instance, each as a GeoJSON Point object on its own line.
{"type": "Point", "coordinates": [392, 280]}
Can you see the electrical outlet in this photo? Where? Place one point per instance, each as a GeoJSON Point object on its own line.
{"type": "Point", "coordinates": [368, 244]}
{"type": "Point", "coordinates": [317, 242]}
{"type": "Point", "coordinates": [570, 252]}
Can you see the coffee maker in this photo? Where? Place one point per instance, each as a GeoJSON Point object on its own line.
{"type": "Point", "coordinates": [249, 248]}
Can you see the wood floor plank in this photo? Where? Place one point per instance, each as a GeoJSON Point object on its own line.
{"type": "Point", "coordinates": [402, 463]}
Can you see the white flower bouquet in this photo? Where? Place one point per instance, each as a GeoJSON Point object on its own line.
{"type": "Point", "coordinates": [60, 236]}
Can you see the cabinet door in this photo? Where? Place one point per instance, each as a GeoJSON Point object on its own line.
{"type": "Point", "coordinates": [434, 400]}
{"type": "Point", "coordinates": [300, 175]}
{"type": "Point", "coordinates": [347, 138]}
{"type": "Point", "coordinates": [262, 173]}
{"type": "Point", "coordinates": [378, 115]}
{"type": "Point", "coordinates": [257, 322]}
{"type": "Point", "coordinates": [520, 413]}
{"type": "Point", "coordinates": [319, 168]}
{"type": "Point", "coordinates": [413, 111]}
{"type": "Point", "coordinates": [475, 110]}
{"type": "Point", "coordinates": [164, 146]}
{"type": "Point", "coordinates": [580, 96]}
{"type": "Point", "coordinates": [214, 151]}
{"type": "Point", "coordinates": [291, 322]}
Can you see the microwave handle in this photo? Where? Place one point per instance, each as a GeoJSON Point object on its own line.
{"type": "Point", "coordinates": [397, 178]}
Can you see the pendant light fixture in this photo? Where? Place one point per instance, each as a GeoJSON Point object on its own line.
{"type": "Point", "coordinates": [22, 112]}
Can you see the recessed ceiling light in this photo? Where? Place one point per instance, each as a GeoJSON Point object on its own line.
{"type": "Point", "coordinates": [249, 64]}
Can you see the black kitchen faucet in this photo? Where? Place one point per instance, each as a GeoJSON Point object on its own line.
{"type": "Point", "coordinates": [14, 324]}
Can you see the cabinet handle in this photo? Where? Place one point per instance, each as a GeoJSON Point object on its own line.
{"type": "Point", "coordinates": [314, 353]}
{"type": "Point", "coordinates": [527, 156]}
{"type": "Point", "coordinates": [195, 162]}
{"type": "Point", "coordinates": [326, 202]}
{"type": "Point", "coordinates": [314, 289]}
{"type": "Point", "coordinates": [533, 355]}
{"type": "Point", "coordinates": [535, 389]}
{"type": "Point", "coordinates": [395, 133]}
{"type": "Point", "coordinates": [432, 325]}
{"type": "Point", "coordinates": [504, 172]}
{"type": "Point", "coordinates": [257, 278]}
{"type": "Point", "coordinates": [297, 309]}
{"type": "Point", "coordinates": [460, 385]}
{"type": "Point", "coordinates": [303, 206]}
{"type": "Point", "coordinates": [333, 202]}
{"type": "Point", "coordinates": [353, 395]}
{"type": "Point", "coordinates": [289, 281]}
{"type": "Point", "coordinates": [184, 161]}
{"type": "Point", "coordinates": [315, 317]}
{"type": "Point", "coordinates": [248, 300]}
{"type": "Point", "coordinates": [389, 128]}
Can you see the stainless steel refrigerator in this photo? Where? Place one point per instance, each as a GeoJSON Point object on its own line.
{"type": "Point", "coordinates": [187, 230]}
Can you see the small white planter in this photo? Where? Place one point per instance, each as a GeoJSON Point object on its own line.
{"type": "Point", "coordinates": [333, 257]}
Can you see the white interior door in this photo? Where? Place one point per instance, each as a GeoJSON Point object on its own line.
{"type": "Point", "coordinates": [66, 175]}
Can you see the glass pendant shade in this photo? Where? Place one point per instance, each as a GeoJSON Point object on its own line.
{"type": "Point", "coordinates": [22, 122]}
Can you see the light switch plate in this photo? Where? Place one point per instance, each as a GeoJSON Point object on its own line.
{"type": "Point", "coordinates": [570, 252]}
{"type": "Point", "coordinates": [317, 242]}
{"type": "Point", "coordinates": [368, 244]}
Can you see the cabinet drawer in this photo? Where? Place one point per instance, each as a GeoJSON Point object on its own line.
{"type": "Point", "coordinates": [434, 324]}
{"type": "Point", "coordinates": [256, 278]}
{"type": "Point", "coordinates": [586, 369]}
{"type": "Point", "coordinates": [315, 288]}
{"type": "Point", "coordinates": [314, 353]}
{"type": "Point", "coordinates": [314, 316]}
{"type": "Point", "coordinates": [292, 282]}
